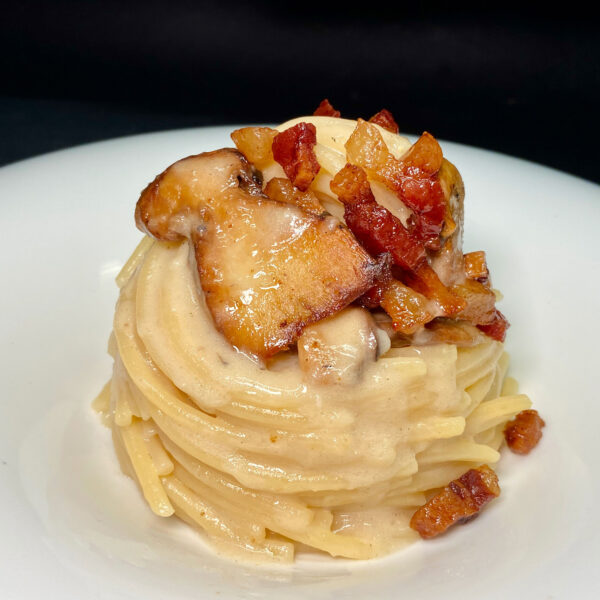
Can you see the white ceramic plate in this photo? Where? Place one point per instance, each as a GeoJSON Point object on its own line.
{"type": "Point", "coordinates": [71, 526]}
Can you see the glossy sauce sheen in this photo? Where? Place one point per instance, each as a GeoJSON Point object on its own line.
{"type": "Point", "coordinates": [360, 447]}
{"type": "Point", "coordinates": [343, 439]}
{"type": "Point", "coordinates": [261, 262]}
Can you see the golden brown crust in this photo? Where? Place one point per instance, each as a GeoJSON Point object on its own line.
{"type": "Point", "coordinates": [408, 309]}
{"type": "Point", "coordinates": [170, 204]}
{"type": "Point", "coordinates": [255, 143]}
{"type": "Point", "coordinates": [458, 502]}
{"type": "Point", "coordinates": [320, 272]}
{"type": "Point", "coordinates": [267, 268]}
{"type": "Point", "coordinates": [149, 203]}
{"type": "Point", "coordinates": [325, 109]}
{"type": "Point", "coordinates": [384, 118]}
{"type": "Point", "coordinates": [282, 190]}
{"type": "Point", "coordinates": [476, 266]}
{"type": "Point", "coordinates": [294, 150]}
{"type": "Point", "coordinates": [524, 432]}
{"type": "Point", "coordinates": [480, 302]}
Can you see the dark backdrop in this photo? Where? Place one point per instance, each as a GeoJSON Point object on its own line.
{"type": "Point", "coordinates": [522, 82]}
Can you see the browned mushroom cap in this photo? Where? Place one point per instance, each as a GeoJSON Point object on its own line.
{"type": "Point", "coordinates": [267, 268]}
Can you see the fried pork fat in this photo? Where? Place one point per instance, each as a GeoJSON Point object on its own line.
{"type": "Point", "coordinates": [523, 433]}
{"type": "Point", "coordinates": [272, 261]}
{"type": "Point", "coordinates": [459, 502]}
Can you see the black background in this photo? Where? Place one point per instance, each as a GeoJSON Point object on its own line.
{"type": "Point", "coordinates": [519, 81]}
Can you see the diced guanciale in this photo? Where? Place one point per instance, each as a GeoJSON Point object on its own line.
{"type": "Point", "coordinates": [325, 109]}
{"type": "Point", "coordinates": [282, 190]}
{"type": "Point", "coordinates": [424, 158]}
{"type": "Point", "coordinates": [524, 432]}
{"type": "Point", "coordinates": [480, 301]}
{"type": "Point", "coordinates": [426, 281]}
{"type": "Point", "coordinates": [497, 328]}
{"type": "Point", "coordinates": [412, 178]}
{"type": "Point", "coordinates": [373, 225]}
{"type": "Point", "coordinates": [294, 150]}
{"type": "Point", "coordinates": [476, 266]}
{"type": "Point", "coordinates": [372, 297]}
{"type": "Point", "coordinates": [384, 118]}
{"type": "Point", "coordinates": [458, 502]}
{"type": "Point", "coordinates": [408, 309]}
{"type": "Point", "coordinates": [255, 144]}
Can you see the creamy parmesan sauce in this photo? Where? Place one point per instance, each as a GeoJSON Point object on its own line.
{"type": "Point", "coordinates": [332, 449]}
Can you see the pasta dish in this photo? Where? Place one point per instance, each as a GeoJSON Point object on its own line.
{"type": "Point", "coordinates": [303, 355]}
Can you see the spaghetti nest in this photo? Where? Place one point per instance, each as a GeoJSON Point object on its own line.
{"type": "Point", "coordinates": [303, 355]}
{"type": "Point", "coordinates": [259, 459]}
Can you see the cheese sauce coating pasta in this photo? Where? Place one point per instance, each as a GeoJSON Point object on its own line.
{"type": "Point", "coordinates": [259, 456]}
